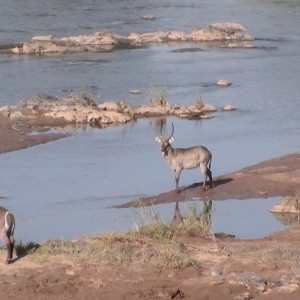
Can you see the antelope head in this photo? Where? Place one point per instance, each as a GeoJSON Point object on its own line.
{"type": "Point", "coordinates": [165, 143]}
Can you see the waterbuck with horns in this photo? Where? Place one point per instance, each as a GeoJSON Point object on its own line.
{"type": "Point", "coordinates": [188, 158]}
{"type": "Point", "coordinates": [7, 227]}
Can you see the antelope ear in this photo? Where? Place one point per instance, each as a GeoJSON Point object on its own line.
{"type": "Point", "coordinates": [171, 140]}
{"type": "Point", "coordinates": [157, 139]}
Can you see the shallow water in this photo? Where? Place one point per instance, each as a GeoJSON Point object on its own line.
{"type": "Point", "coordinates": [61, 189]}
{"type": "Point", "coordinates": [230, 216]}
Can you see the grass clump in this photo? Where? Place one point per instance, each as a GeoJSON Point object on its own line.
{"type": "Point", "coordinates": [52, 247]}
{"type": "Point", "coordinates": [83, 98]}
{"type": "Point", "coordinates": [195, 223]}
{"type": "Point", "coordinates": [198, 102]}
{"type": "Point", "coordinates": [25, 249]}
{"type": "Point", "coordinates": [168, 257]}
{"type": "Point", "coordinates": [158, 95]}
{"type": "Point", "coordinates": [87, 99]}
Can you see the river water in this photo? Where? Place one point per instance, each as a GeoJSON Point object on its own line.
{"type": "Point", "coordinates": [62, 189]}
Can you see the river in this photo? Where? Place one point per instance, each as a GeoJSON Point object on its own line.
{"type": "Point", "coordinates": [62, 189]}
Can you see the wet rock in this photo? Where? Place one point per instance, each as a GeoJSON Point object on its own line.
{"type": "Point", "coordinates": [135, 92]}
{"type": "Point", "coordinates": [228, 107]}
{"type": "Point", "coordinates": [149, 17]}
{"type": "Point", "coordinates": [223, 82]}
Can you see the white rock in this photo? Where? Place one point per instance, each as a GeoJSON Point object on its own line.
{"type": "Point", "coordinates": [223, 82]}
{"type": "Point", "coordinates": [16, 115]}
{"type": "Point", "coordinates": [228, 107]}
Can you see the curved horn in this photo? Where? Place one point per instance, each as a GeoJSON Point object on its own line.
{"type": "Point", "coordinates": [171, 135]}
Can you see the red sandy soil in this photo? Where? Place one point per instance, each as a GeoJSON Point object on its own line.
{"type": "Point", "coordinates": [136, 267]}
{"type": "Point", "coordinates": [131, 266]}
{"type": "Point", "coordinates": [17, 136]}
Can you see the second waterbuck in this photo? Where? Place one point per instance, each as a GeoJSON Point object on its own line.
{"type": "Point", "coordinates": [7, 227]}
{"type": "Point", "coordinates": [187, 158]}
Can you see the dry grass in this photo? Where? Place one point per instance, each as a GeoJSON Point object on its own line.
{"type": "Point", "coordinates": [158, 95]}
{"type": "Point", "coordinates": [198, 102]}
{"type": "Point", "coordinates": [83, 98]}
{"type": "Point", "coordinates": [195, 223]}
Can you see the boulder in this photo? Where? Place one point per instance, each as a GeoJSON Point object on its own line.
{"type": "Point", "coordinates": [228, 107]}
{"type": "Point", "coordinates": [16, 116]}
{"type": "Point", "coordinates": [289, 204]}
{"type": "Point", "coordinates": [68, 116]}
{"type": "Point", "coordinates": [107, 117]}
{"type": "Point", "coordinates": [223, 82]}
{"type": "Point", "coordinates": [98, 38]}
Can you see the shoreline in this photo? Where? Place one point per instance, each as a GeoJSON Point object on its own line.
{"type": "Point", "coordinates": [115, 265]}
{"type": "Point", "coordinates": [279, 176]}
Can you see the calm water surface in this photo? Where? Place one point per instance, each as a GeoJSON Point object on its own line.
{"type": "Point", "coordinates": [62, 189]}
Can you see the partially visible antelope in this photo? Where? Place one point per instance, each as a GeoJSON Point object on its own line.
{"type": "Point", "coordinates": [7, 227]}
{"type": "Point", "coordinates": [188, 158]}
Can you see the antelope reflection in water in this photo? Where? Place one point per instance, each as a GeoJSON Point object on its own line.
{"type": "Point", "coordinates": [204, 214]}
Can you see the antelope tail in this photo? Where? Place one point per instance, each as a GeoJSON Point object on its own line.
{"type": "Point", "coordinates": [209, 163]}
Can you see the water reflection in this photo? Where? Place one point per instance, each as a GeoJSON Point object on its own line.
{"type": "Point", "coordinates": [287, 218]}
{"type": "Point", "coordinates": [234, 217]}
{"type": "Point", "coordinates": [204, 214]}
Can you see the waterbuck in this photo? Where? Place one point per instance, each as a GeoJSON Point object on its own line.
{"type": "Point", "coordinates": [188, 158]}
{"type": "Point", "coordinates": [7, 227]}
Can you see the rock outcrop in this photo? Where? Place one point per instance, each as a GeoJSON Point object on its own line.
{"type": "Point", "coordinates": [79, 110]}
{"type": "Point", "coordinates": [232, 34]}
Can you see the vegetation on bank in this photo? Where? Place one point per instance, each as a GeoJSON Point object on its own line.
{"type": "Point", "coordinates": [151, 240]}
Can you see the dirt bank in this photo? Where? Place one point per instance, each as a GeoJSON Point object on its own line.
{"type": "Point", "coordinates": [15, 137]}
{"type": "Point", "coordinates": [121, 266]}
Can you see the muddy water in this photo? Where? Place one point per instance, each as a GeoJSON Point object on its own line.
{"type": "Point", "coordinates": [62, 189]}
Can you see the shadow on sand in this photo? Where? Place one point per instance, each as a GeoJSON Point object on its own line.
{"type": "Point", "coordinates": [216, 182]}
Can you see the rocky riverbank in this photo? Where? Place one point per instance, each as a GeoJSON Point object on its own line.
{"type": "Point", "coordinates": [42, 112]}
